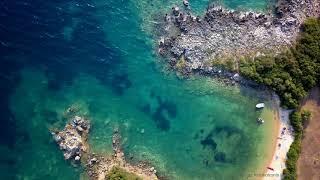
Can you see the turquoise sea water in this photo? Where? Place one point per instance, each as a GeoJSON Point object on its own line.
{"type": "Point", "coordinates": [99, 57]}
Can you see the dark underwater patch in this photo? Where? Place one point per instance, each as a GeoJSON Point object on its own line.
{"type": "Point", "coordinates": [30, 31]}
{"type": "Point", "coordinates": [146, 109]}
{"type": "Point", "coordinates": [9, 78]}
{"type": "Point", "coordinates": [10, 133]}
{"type": "Point", "coordinates": [208, 142]}
{"type": "Point", "coordinates": [59, 77]}
{"type": "Point", "coordinates": [50, 116]}
{"type": "Point", "coordinates": [196, 136]}
{"type": "Point", "coordinates": [162, 114]}
{"type": "Point", "coordinates": [31, 35]}
{"type": "Point", "coordinates": [220, 157]}
{"type": "Point", "coordinates": [230, 130]}
{"type": "Point", "coordinates": [120, 83]}
{"type": "Point", "coordinates": [166, 105]}
{"type": "Point", "coordinates": [152, 94]}
{"type": "Point", "coordinates": [161, 120]}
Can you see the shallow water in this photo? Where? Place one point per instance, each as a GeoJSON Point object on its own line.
{"type": "Point", "coordinates": [98, 56]}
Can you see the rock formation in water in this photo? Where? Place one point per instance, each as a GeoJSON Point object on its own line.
{"type": "Point", "coordinates": [98, 166]}
{"type": "Point", "coordinates": [72, 141]}
{"type": "Point", "coordinates": [192, 43]}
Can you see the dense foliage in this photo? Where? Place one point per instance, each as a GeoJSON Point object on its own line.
{"type": "Point", "coordinates": [117, 173]}
{"type": "Point", "coordinates": [297, 120]}
{"type": "Point", "coordinates": [305, 116]}
{"type": "Point", "coordinates": [292, 73]}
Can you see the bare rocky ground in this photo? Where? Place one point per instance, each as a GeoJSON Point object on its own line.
{"type": "Point", "coordinates": [191, 43]}
{"type": "Point", "coordinates": [309, 160]}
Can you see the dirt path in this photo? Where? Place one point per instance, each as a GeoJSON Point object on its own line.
{"type": "Point", "coordinates": [309, 161]}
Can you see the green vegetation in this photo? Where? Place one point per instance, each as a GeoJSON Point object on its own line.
{"type": "Point", "coordinates": [226, 63]}
{"type": "Point", "coordinates": [297, 120]}
{"type": "Point", "coordinates": [304, 71]}
{"type": "Point", "coordinates": [305, 115]}
{"type": "Point", "coordinates": [292, 73]}
{"type": "Point", "coordinates": [118, 173]}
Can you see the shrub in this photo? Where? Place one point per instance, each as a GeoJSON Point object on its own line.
{"type": "Point", "coordinates": [305, 116]}
{"type": "Point", "coordinates": [290, 74]}
{"type": "Point", "coordinates": [296, 121]}
{"type": "Point", "coordinates": [118, 173]}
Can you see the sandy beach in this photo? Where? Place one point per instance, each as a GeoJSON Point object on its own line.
{"type": "Point", "coordinates": [284, 139]}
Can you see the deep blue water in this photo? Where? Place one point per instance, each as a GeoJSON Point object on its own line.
{"type": "Point", "coordinates": [99, 55]}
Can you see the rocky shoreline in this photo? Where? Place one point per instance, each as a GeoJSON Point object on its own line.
{"type": "Point", "coordinates": [72, 141]}
{"type": "Point", "coordinates": [193, 44]}
{"type": "Point", "coordinates": [98, 166]}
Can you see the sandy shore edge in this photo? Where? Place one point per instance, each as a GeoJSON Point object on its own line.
{"type": "Point", "coordinates": [284, 138]}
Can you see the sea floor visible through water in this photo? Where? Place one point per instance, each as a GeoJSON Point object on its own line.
{"type": "Point", "coordinates": [98, 57]}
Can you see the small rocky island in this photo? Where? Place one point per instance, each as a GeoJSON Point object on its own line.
{"type": "Point", "coordinates": [73, 142]}
{"type": "Point", "coordinates": [193, 43]}
{"type": "Point", "coordinates": [72, 139]}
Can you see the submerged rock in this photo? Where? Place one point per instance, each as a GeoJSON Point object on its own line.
{"type": "Point", "coordinates": [186, 3]}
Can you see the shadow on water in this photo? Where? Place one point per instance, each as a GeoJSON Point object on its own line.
{"type": "Point", "coordinates": [120, 83]}
{"type": "Point", "coordinates": [164, 112]}
{"type": "Point", "coordinates": [10, 131]}
{"type": "Point", "coordinates": [210, 142]}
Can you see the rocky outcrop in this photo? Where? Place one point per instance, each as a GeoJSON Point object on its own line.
{"type": "Point", "coordinates": [229, 34]}
{"type": "Point", "coordinates": [71, 139]}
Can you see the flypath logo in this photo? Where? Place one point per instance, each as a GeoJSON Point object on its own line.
{"type": "Point", "coordinates": [263, 175]}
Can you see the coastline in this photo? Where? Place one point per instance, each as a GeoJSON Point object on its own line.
{"type": "Point", "coordinates": [283, 139]}
{"type": "Point", "coordinates": [273, 143]}
{"type": "Point", "coordinates": [194, 44]}
{"type": "Point", "coordinates": [275, 156]}
{"type": "Point", "coordinates": [73, 142]}
{"type": "Point", "coordinates": [272, 117]}
{"type": "Point", "coordinates": [98, 56]}
{"type": "Point", "coordinates": [219, 41]}
{"type": "Point", "coordinates": [199, 43]}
